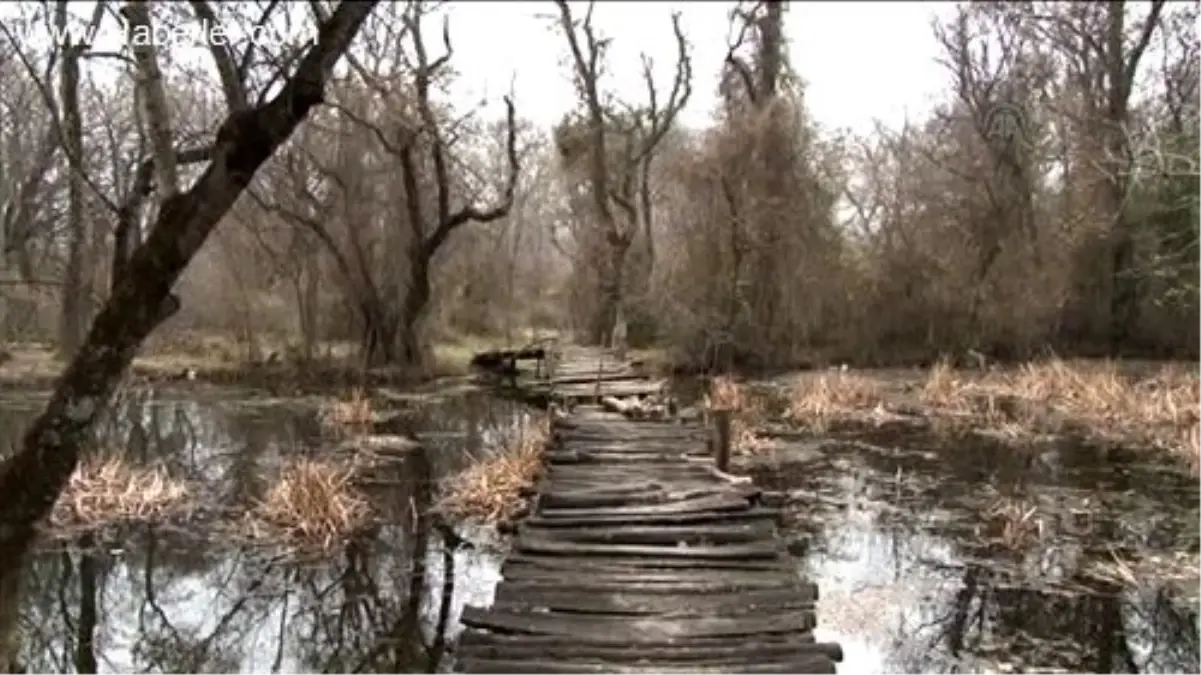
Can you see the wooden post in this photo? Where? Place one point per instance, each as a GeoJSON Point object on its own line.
{"type": "Point", "coordinates": [600, 371]}
{"type": "Point", "coordinates": [721, 419]}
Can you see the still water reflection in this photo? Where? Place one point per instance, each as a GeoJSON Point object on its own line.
{"type": "Point", "coordinates": [898, 532]}
{"type": "Point", "coordinates": [903, 538]}
{"type": "Point", "coordinates": [177, 598]}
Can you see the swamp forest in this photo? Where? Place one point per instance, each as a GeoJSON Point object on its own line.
{"type": "Point", "coordinates": [242, 282]}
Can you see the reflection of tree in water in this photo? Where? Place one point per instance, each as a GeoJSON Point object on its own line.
{"type": "Point", "coordinates": [1000, 615]}
{"type": "Point", "coordinates": [174, 601]}
{"type": "Point", "coordinates": [476, 421]}
{"type": "Point", "coordinates": [368, 617]}
{"type": "Point", "coordinates": [172, 604]}
{"type": "Point", "coordinates": [62, 608]}
{"type": "Point", "coordinates": [1043, 608]}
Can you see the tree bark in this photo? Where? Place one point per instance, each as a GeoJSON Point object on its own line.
{"type": "Point", "coordinates": [76, 288]}
{"type": "Point", "coordinates": [153, 98]}
{"type": "Point", "coordinates": [1121, 67]}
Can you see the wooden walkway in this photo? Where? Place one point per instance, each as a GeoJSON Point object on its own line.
{"type": "Point", "coordinates": [640, 557]}
{"type": "Point", "coordinates": [571, 375]}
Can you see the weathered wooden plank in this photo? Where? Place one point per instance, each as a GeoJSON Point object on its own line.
{"type": "Point", "coordinates": [618, 584]}
{"type": "Point", "coordinates": [726, 533]}
{"type": "Point", "coordinates": [617, 388]}
{"type": "Point", "coordinates": [637, 629]}
{"type": "Point", "coordinates": [576, 499]}
{"type": "Point", "coordinates": [702, 504]}
{"type": "Point", "coordinates": [808, 663]}
{"type": "Point", "coordinates": [729, 603]}
{"type": "Point", "coordinates": [752, 551]}
{"type": "Point", "coordinates": [767, 647]}
{"type": "Point", "coordinates": [578, 518]}
{"type": "Point", "coordinates": [677, 568]}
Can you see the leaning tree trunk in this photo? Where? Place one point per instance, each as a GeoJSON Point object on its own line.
{"type": "Point", "coordinates": [32, 479]}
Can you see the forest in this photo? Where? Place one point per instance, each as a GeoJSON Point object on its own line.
{"type": "Point", "coordinates": [295, 209]}
{"type": "Point", "coordinates": [390, 223]}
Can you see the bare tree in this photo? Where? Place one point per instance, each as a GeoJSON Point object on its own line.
{"type": "Point", "coordinates": [626, 183]}
{"type": "Point", "coordinates": [33, 478]}
{"type": "Point", "coordinates": [419, 140]}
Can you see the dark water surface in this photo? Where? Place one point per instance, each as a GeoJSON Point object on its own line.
{"type": "Point", "coordinates": [900, 532]}
{"type": "Point", "coordinates": [904, 538]}
{"type": "Point", "coordinates": [180, 598]}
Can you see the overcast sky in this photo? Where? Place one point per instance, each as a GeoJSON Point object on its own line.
{"type": "Point", "coordinates": [861, 60]}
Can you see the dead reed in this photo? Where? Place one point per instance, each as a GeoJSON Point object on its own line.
{"type": "Point", "coordinates": [1158, 410]}
{"type": "Point", "coordinates": [355, 411]}
{"type": "Point", "coordinates": [109, 490]}
{"type": "Point", "coordinates": [726, 393]}
{"type": "Point", "coordinates": [1161, 410]}
{"type": "Point", "coordinates": [314, 504]}
{"type": "Point", "coordinates": [832, 396]}
{"type": "Point", "coordinates": [1018, 523]}
{"type": "Point", "coordinates": [492, 490]}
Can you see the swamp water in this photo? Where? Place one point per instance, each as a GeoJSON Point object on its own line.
{"type": "Point", "coordinates": [180, 597]}
{"type": "Point", "coordinates": [970, 556]}
{"type": "Point", "coordinates": [900, 533]}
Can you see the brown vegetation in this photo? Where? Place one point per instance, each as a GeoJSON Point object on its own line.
{"type": "Point", "coordinates": [495, 488]}
{"type": "Point", "coordinates": [1092, 399]}
{"type": "Point", "coordinates": [746, 410]}
{"type": "Point", "coordinates": [314, 504]}
{"type": "Point", "coordinates": [833, 396]}
{"type": "Point", "coordinates": [109, 491]}
{"type": "Point", "coordinates": [355, 411]}
{"type": "Point", "coordinates": [1017, 524]}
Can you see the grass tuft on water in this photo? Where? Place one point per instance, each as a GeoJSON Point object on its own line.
{"type": "Point", "coordinates": [109, 490]}
{"type": "Point", "coordinates": [353, 411]}
{"type": "Point", "coordinates": [1159, 409]}
{"type": "Point", "coordinates": [314, 504]}
{"type": "Point", "coordinates": [832, 396]}
{"type": "Point", "coordinates": [492, 490]}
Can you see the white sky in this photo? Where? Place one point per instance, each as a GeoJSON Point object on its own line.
{"type": "Point", "coordinates": [862, 60]}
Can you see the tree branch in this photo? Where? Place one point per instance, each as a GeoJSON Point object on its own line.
{"type": "Point", "coordinates": [471, 213]}
{"type": "Point", "coordinates": [231, 75]}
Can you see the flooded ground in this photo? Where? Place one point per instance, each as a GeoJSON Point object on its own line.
{"type": "Point", "coordinates": [932, 555]}
{"type": "Point", "coordinates": [965, 556]}
{"type": "Point", "coordinates": [180, 598]}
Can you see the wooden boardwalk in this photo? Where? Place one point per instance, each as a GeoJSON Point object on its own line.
{"type": "Point", "coordinates": [571, 375]}
{"type": "Point", "coordinates": [640, 557]}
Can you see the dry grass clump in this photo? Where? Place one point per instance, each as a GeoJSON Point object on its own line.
{"type": "Point", "coordinates": [313, 504]}
{"type": "Point", "coordinates": [1099, 392]}
{"type": "Point", "coordinates": [1162, 410]}
{"type": "Point", "coordinates": [944, 389]}
{"type": "Point", "coordinates": [829, 396]}
{"type": "Point", "coordinates": [493, 490]}
{"type": "Point", "coordinates": [353, 411]}
{"type": "Point", "coordinates": [109, 490]}
{"type": "Point", "coordinates": [725, 393]}
{"type": "Point", "coordinates": [1019, 523]}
